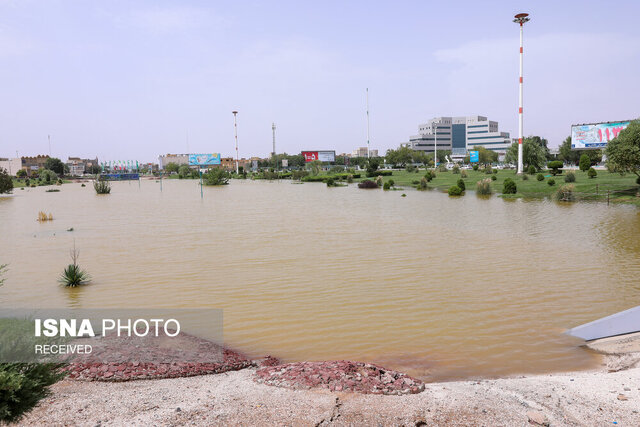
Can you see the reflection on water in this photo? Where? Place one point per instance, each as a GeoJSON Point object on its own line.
{"type": "Point", "coordinates": [430, 285]}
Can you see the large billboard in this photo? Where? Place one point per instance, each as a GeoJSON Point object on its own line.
{"type": "Point", "coordinates": [323, 156]}
{"type": "Point", "coordinates": [204, 159]}
{"type": "Point", "coordinates": [595, 135]}
{"type": "Point", "coordinates": [474, 156]}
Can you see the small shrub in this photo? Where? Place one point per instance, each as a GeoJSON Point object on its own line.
{"type": "Point", "coordinates": [454, 190]}
{"type": "Point", "coordinates": [42, 216]}
{"type": "Point", "coordinates": [488, 170]}
{"type": "Point", "coordinates": [570, 177]}
{"type": "Point", "coordinates": [349, 178]}
{"type": "Point", "coordinates": [509, 186]}
{"type": "Point", "coordinates": [638, 180]}
{"type": "Point", "coordinates": [551, 182]}
{"type": "Point", "coordinates": [82, 185]}
{"type": "Point", "coordinates": [298, 175]}
{"type": "Point", "coordinates": [456, 169]}
{"type": "Point", "coordinates": [392, 182]}
{"type": "Point", "coordinates": [483, 187]}
{"type": "Point", "coordinates": [442, 167]}
{"type": "Point", "coordinates": [415, 182]}
{"type": "Point", "coordinates": [379, 181]}
{"type": "Point", "coordinates": [23, 386]}
{"type": "Point", "coordinates": [410, 168]}
{"type": "Point", "coordinates": [331, 182]}
{"type": "Point", "coordinates": [475, 167]}
{"type": "Point", "coordinates": [525, 177]}
{"type": "Point", "coordinates": [461, 184]}
{"type": "Point", "coordinates": [565, 193]}
{"type": "Point", "coordinates": [585, 163]}
{"type": "Point", "coordinates": [531, 170]}
{"type": "Point", "coordinates": [591, 173]}
{"type": "Point", "coordinates": [428, 176]}
{"type": "Point", "coordinates": [367, 183]}
{"type": "Point", "coordinates": [494, 178]}
{"type": "Point", "coordinates": [464, 174]}
{"type": "Point", "coordinates": [102, 187]}
{"type": "Point", "coordinates": [423, 184]}
{"type": "Point", "coordinates": [386, 186]}
{"type": "Point", "coordinates": [495, 171]}
{"type": "Point", "coordinates": [540, 177]}
{"type": "Point", "coordinates": [555, 166]}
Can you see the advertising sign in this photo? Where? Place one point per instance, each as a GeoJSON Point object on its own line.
{"type": "Point", "coordinates": [285, 163]}
{"type": "Point", "coordinates": [204, 159]}
{"type": "Point", "coordinates": [323, 156]}
{"type": "Point", "coordinates": [474, 157]}
{"type": "Point", "coordinates": [595, 135]}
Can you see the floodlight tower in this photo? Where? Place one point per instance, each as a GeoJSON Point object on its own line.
{"type": "Point", "coordinates": [235, 129]}
{"type": "Point", "coordinates": [520, 18]}
{"type": "Point", "coordinates": [368, 152]}
{"type": "Point", "coordinates": [275, 162]}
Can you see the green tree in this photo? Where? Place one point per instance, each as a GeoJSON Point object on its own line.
{"type": "Point", "coordinates": [399, 157]}
{"type": "Point", "coordinates": [6, 183]}
{"type": "Point", "coordinates": [96, 169]}
{"type": "Point", "coordinates": [21, 173]}
{"type": "Point", "coordinates": [55, 165]}
{"type": "Point", "coordinates": [372, 165]}
{"type": "Point", "coordinates": [421, 157]}
{"type": "Point", "coordinates": [316, 167]}
{"type": "Point", "coordinates": [216, 176]}
{"type": "Point", "coordinates": [184, 171]}
{"type": "Point", "coordinates": [585, 163]}
{"type": "Point", "coordinates": [568, 155]}
{"type": "Point", "coordinates": [623, 152]}
{"type": "Point", "coordinates": [442, 155]}
{"type": "Point", "coordinates": [533, 154]}
{"type": "Point", "coordinates": [172, 167]}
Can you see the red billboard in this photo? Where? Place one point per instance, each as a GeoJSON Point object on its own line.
{"type": "Point", "coordinates": [323, 156]}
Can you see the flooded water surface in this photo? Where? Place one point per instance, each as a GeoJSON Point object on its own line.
{"type": "Point", "coordinates": [437, 287]}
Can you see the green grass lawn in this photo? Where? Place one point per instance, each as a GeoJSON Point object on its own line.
{"type": "Point", "coordinates": [622, 188]}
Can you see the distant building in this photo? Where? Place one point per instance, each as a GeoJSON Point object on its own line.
{"type": "Point", "coordinates": [229, 163]}
{"type": "Point", "coordinates": [78, 166]}
{"type": "Point", "coordinates": [362, 152]}
{"type": "Point", "coordinates": [460, 134]}
{"type": "Point", "coordinates": [179, 159]}
{"type": "Point", "coordinates": [11, 165]}
{"type": "Point", "coordinates": [33, 164]}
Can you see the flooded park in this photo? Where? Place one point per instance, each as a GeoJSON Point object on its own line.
{"type": "Point", "coordinates": [440, 288]}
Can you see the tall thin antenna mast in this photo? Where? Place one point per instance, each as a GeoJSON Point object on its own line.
{"type": "Point", "coordinates": [235, 129]}
{"type": "Point", "coordinates": [49, 138]}
{"type": "Point", "coordinates": [368, 152]}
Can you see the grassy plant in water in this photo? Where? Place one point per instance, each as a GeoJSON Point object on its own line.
{"type": "Point", "coordinates": [73, 275]}
{"type": "Point", "coordinates": [43, 216]}
{"type": "Point", "coordinates": [102, 187]}
{"type": "Point", "coordinates": [564, 193]}
{"type": "Point", "coordinates": [484, 187]}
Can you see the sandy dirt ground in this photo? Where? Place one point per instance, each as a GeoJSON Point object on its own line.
{"type": "Point", "coordinates": [597, 398]}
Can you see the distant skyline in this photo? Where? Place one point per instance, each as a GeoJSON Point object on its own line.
{"type": "Point", "coordinates": [133, 80]}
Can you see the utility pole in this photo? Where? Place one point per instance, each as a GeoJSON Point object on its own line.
{"type": "Point", "coordinates": [275, 161]}
{"type": "Point", "coordinates": [435, 145]}
{"type": "Point", "coordinates": [235, 128]}
{"type": "Point", "coordinates": [520, 18]}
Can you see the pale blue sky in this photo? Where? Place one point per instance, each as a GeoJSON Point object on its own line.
{"type": "Point", "coordinates": [131, 79]}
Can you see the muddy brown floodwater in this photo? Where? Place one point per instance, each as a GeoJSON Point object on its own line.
{"type": "Point", "coordinates": [437, 287]}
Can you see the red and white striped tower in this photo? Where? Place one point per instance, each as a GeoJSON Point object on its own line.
{"type": "Point", "coordinates": [520, 18]}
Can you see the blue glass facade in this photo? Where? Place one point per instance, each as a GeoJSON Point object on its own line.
{"type": "Point", "coordinates": [459, 138]}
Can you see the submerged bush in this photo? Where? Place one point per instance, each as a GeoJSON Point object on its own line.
{"type": "Point", "coordinates": [509, 186]}
{"type": "Point", "coordinates": [386, 186]}
{"type": "Point", "coordinates": [102, 187]}
{"type": "Point", "coordinates": [423, 184]}
{"type": "Point", "coordinates": [454, 190]}
{"type": "Point", "coordinates": [570, 177]}
{"type": "Point", "coordinates": [461, 184]}
{"type": "Point", "coordinates": [367, 183]}
{"type": "Point", "coordinates": [484, 186]}
{"type": "Point", "coordinates": [565, 193]}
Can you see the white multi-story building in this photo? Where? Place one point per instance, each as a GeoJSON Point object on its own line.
{"type": "Point", "coordinates": [362, 152]}
{"type": "Point", "coordinates": [460, 135]}
{"type": "Point", "coordinates": [12, 166]}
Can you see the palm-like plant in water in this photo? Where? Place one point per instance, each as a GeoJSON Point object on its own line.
{"type": "Point", "coordinates": [73, 275]}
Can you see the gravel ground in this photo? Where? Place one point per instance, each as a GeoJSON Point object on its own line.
{"type": "Point", "coordinates": [234, 398]}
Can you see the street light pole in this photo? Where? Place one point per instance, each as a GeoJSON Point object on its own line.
{"type": "Point", "coordinates": [435, 145]}
{"type": "Point", "coordinates": [235, 129]}
{"type": "Point", "coordinates": [520, 18]}
{"type": "Point", "coordinates": [275, 161]}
